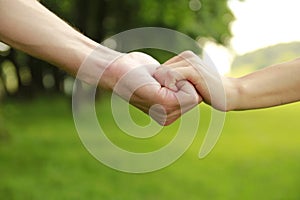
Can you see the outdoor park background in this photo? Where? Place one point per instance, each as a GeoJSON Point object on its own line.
{"type": "Point", "coordinates": [41, 156]}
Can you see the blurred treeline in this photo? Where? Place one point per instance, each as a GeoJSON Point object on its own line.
{"type": "Point", "coordinates": [24, 76]}
{"type": "Point", "coordinates": [264, 57]}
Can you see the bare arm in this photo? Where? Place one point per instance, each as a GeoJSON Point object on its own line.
{"type": "Point", "coordinates": [275, 85]}
{"type": "Point", "coordinates": [272, 86]}
{"type": "Point", "coordinates": [29, 26]}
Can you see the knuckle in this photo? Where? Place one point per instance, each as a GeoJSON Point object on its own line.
{"type": "Point", "coordinates": [169, 73]}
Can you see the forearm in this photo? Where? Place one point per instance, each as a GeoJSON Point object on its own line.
{"type": "Point", "coordinates": [271, 86]}
{"type": "Point", "coordinates": [30, 27]}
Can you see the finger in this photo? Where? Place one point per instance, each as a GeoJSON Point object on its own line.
{"type": "Point", "coordinates": [188, 59]}
{"type": "Point", "coordinates": [134, 79]}
{"type": "Point", "coordinates": [181, 63]}
{"type": "Point", "coordinates": [182, 56]}
{"type": "Point", "coordinates": [174, 59]}
{"type": "Point", "coordinates": [187, 96]}
{"type": "Point", "coordinates": [169, 77]}
{"type": "Point", "coordinates": [187, 89]}
{"type": "Point", "coordinates": [185, 73]}
{"type": "Point", "coordinates": [166, 77]}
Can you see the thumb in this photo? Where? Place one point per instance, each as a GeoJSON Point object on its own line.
{"type": "Point", "coordinates": [187, 95]}
{"type": "Point", "coordinates": [168, 77]}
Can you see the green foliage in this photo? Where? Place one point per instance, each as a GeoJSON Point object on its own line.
{"type": "Point", "coordinates": [196, 18]}
{"type": "Point", "coordinates": [210, 19]}
{"type": "Point", "coordinates": [257, 157]}
{"type": "Point", "coordinates": [62, 8]}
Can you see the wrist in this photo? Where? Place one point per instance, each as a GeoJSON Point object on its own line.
{"type": "Point", "coordinates": [94, 63]}
{"type": "Point", "coordinates": [107, 60]}
{"type": "Point", "coordinates": [80, 48]}
{"type": "Point", "coordinates": [233, 91]}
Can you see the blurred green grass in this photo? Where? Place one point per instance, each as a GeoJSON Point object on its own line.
{"type": "Point", "coordinates": [41, 157]}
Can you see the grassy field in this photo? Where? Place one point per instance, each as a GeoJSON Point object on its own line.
{"type": "Point", "coordinates": [42, 157]}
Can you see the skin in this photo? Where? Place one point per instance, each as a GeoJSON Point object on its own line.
{"type": "Point", "coordinates": [272, 86]}
{"type": "Point", "coordinates": [40, 33]}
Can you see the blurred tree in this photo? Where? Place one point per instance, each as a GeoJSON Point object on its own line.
{"type": "Point", "coordinates": [102, 18]}
{"type": "Point", "coordinates": [195, 18]}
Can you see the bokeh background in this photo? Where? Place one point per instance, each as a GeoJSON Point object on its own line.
{"type": "Point", "coordinates": [257, 156]}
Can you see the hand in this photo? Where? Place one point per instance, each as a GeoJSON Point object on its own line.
{"type": "Point", "coordinates": [207, 81]}
{"type": "Point", "coordinates": [133, 80]}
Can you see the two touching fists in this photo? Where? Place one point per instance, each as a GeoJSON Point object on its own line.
{"type": "Point", "coordinates": [167, 91]}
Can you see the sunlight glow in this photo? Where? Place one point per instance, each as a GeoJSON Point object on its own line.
{"type": "Point", "coordinates": [261, 23]}
{"type": "Point", "coordinates": [258, 24]}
